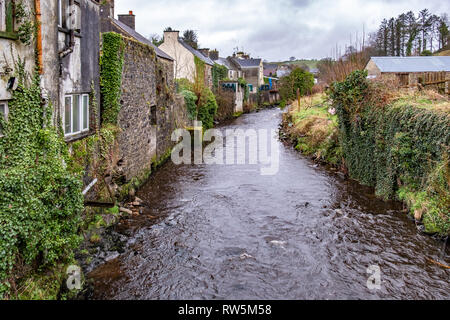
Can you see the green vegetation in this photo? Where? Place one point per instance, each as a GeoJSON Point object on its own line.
{"type": "Point", "coordinates": [40, 196]}
{"type": "Point", "coordinates": [111, 65]}
{"type": "Point", "coordinates": [190, 99]}
{"type": "Point", "coordinates": [207, 108]}
{"type": "Point", "coordinates": [313, 129]}
{"type": "Point", "coordinates": [244, 85]}
{"type": "Point", "coordinates": [200, 101]}
{"type": "Point", "coordinates": [219, 73]}
{"type": "Point", "coordinates": [311, 64]}
{"type": "Point", "coordinates": [298, 79]}
{"type": "Point", "coordinates": [398, 148]}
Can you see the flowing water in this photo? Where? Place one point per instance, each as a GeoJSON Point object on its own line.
{"type": "Point", "coordinates": [227, 232]}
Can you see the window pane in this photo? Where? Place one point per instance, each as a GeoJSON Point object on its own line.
{"type": "Point", "coordinates": [85, 112]}
{"type": "Point", "coordinates": [76, 113]}
{"type": "Point", "coordinates": [67, 115]}
{"type": "Point", "coordinates": [2, 15]}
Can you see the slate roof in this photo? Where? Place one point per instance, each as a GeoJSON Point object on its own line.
{"type": "Point", "coordinates": [225, 62]}
{"type": "Point", "coordinates": [412, 64]}
{"type": "Point", "coordinates": [248, 63]}
{"type": "Point", "coordinates": [270, 68]}
{"type": "Point", "coordinates": [196, 53]}
{"type": "Point", "coordinates": [137, 36]}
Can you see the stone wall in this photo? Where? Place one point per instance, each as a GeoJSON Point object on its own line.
{"type": "Point", "coordinates": [150, 110]}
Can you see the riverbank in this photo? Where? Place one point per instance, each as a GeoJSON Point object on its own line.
{"type": "Point", "coordinates": [394, 141]}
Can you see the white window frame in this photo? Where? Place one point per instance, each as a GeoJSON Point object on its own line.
{"type": "Point", "coordinates": [81, 113]}
{"type": "Point", "coordinates": [2, 15]}
{"type": "Point", "coordinates": [60, 14]}
{"type": "Point", "coordinates": [5, 103]}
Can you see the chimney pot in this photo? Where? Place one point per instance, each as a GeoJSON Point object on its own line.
{"type": "Point", "coordinates": [128, 19]}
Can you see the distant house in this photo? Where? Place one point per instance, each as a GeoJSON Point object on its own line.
{"type": "Point", "coordinates": [233, 71]}
{"type": "Point", "coordinates": [410, 71]}
{"type": "Point", "coordinates": [252, 69]}
{"type": "Point", "coordinates": [284, 70]}
{"type": "Point", "coordinates": [270, 69]}
{"type": "Point", "coordinates": [184, 56]}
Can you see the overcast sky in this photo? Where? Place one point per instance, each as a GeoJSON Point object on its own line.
{"type": "Point", "coordinates": [271, 29]}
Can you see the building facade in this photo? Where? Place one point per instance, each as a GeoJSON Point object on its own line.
{"type": "Point", "coordinates": [185, 58]}
{"type": "Point", "coordinates": [67, 50]}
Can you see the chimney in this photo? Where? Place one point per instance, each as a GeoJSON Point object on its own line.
{"type": "Point", "coordinates": [214, 55]}
{"type": "Point", "coordinates": [171, 36]}
{"type": "Point", "coordinates": [129, 19]}
{"type": "Point", "coordinates": [107, 9]}
{"type": "Point", "coordinates": [204, 52]}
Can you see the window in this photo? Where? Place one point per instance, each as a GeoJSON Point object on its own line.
{"type": "Point", "coordinates": [153, 121]}
{"type": "Point", "coordinates": [69, 17]}
{"type": "Point", "coordinates": [6, 16]}
{"type": "Point", "coordinates": [76, 114]}
{"type": "Point", "coordinates": [3, 114]}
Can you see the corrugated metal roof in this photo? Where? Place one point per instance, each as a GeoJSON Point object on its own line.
{"type": "Point", "coordinates": [137, 36]}
{"type": "Point", "coordinates": [412, 64]}
{"type": "Point", "coordinates": [198, 54]}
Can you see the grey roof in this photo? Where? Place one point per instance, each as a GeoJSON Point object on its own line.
{"type": "Point", "coordinates": [225, 62]}
{"type": "Point", "coordinates": [137, 36]}
{"type": "Point", "coordinates": [412, 64]}
{"type": "Point", "coordinates": [248, 63]}
{"type": "Point", "coordinates": [198, 54]}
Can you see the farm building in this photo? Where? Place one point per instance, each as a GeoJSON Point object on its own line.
{"type": "Point", "coordinates": [411, 71]}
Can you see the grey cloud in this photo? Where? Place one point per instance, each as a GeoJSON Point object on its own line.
{"type": "Point", "coordinates": [274, 30]}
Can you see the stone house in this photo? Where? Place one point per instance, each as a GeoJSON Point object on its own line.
{"type": "Point", "coordinates": [270, 70]}
{"type": "Point", "coordinates": [233, 72]}
{"type": "Point", "coordinates": [150, 109]}
{"type": "Point", "coordinates": [409, 71]}
{"type": "Point", "coordinates": [185, 58]}
{"type": "Point", "coordinates": [67, 51]}
{"type": "Point", "coordinates": [252, 70]}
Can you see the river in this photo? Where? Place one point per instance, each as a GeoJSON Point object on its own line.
{"type": "Point", "coordinates": [228, 232]}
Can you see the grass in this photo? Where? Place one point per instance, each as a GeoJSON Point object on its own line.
{"type": "Point", "coordinates": [312, 64]}
{"type": "Point", "coordinates": [444, 53]}
{"type": "Point", "coordinates": [426, 99]}
{"type": "Point", "coordinates": [315, 129]}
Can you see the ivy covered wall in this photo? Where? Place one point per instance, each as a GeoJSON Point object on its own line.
{"type": "Point", "coordinates": [400, 150]}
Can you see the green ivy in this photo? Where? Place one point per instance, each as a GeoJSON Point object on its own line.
{"type": "Point", "coordinates": [244, 85]}
{"type": "Point", "coordinates": [27, 26]}
{"type": "Point", "coordinates": [190, 99]}
{"type": "Point", "coordinates": [207, 108]}
{"type": "Point", "coordinates": [219, 73]}
{"type": "Point", "coordinates": [111, 67]}
{"type": "Point", "coordinates": [40, 198]}
{"type": "Point", "coordinates": [402, 151]}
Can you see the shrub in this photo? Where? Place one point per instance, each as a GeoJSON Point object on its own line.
{"type": "Point", "coordinates": [190, 99]}
{"type": "Point", "coordinates": [297, 79]}
{"type": "Point", "coordinates": [207, 108]}
{"type": "Point", "coordinates": [399, 149]}
{"type": "Point", "coordinates": [40, 199]}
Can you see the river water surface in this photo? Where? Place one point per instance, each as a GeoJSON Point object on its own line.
{"type": "Point", "coordinates": [227, 232]}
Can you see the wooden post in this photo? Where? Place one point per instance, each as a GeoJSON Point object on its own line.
{"type": "Point", "coordinates": [298, 98]}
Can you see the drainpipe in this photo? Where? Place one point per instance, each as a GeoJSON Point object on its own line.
{"type": "Point", "coordinates": [62, 54]}
{"type": "Point", "coordinates": [37, 6]}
